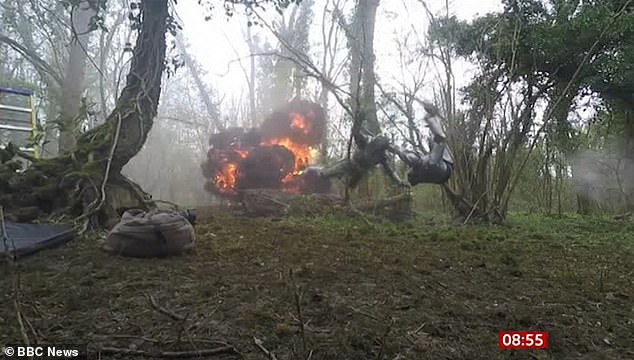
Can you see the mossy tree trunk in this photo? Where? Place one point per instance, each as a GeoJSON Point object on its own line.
{"type": "Point", "coordinates": [86, 182]}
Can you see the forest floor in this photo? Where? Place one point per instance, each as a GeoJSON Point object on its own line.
{"type": "Point", "coordinates": [421, 290]}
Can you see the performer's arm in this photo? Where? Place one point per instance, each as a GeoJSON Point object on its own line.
{"type": "Point", "coordinates": [392, 174]}
{"type": "Point", "coordinates": [397, 151]}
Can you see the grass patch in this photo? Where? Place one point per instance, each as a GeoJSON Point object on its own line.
{"type": "Point", "coordinates": [418, 290]}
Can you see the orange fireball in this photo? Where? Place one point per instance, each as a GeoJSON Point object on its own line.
{"type": "Point", "coordinates": [244, 159]}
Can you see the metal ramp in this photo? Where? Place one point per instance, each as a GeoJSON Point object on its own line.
{"type": "Point", "coordinates": [18, 122]}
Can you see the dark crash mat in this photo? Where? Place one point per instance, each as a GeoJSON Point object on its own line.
{"type": "Point", "coordinates": [24, 239]}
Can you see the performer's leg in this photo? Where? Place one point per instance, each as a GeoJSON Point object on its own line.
{"type": "Point", "coordinates": [436, 128]}
{"type": "Point", "coordinates": [336, 170]}
{"type": "Point", "coordinates": [437, 152]}
{"type": "Point", "coordinates": [392, 174]}
{"type": "Point", "coordinates": [354, 179]}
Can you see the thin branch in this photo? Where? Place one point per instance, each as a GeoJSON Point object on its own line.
{"type": "Point", "coordinates": [298, 307]}
{"type": "Point", "coordinates": [260, 345]}
{"type": "Point", "coordinates": [169, 354]}
{"type": "Point", "coordinates": [152, 300]}
{"type": "Point", "coordinates": [33, 58]}
{"type": "Point", "coordinates": [300, 59]}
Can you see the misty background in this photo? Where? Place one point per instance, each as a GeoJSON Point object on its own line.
{"type": "Point", "coordinates": [234, 70]}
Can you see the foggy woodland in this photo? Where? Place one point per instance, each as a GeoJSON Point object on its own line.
{"type": "Point", "coordinates": [544, 125]}
{"type": "Point", "coordinates": [537, 102]}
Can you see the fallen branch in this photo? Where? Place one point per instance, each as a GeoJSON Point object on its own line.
{"type": "Point", "coordinates": [364, 313]}
{"type": "Point", "coordinates": [359, 213]}
{"type": "Point", "coordinates": [169, 354]}
{"type": "Point", "coordinates": [264, 350]}
{"type": "Point", "coordinates": [623, 216]}
{"type": "Point", "coordinates": [384, 338]}
{"type": "Point", "coordinates": [136, 337]}
{"type": "Point", "coordinates": [163, 310]}
{"type": "Point", "coordinates": [475, 206]}
{"type": "Point", "coordinates": [20, 316]}
{"type": "Point", "coordinates": [258, 202]}
{"type": "Point", "coordinates": [156, 341]}
{"type": "Point", "coordinates": [394, 208]}
{"type": "Point", "coordinates": [298, 307]}
{"type": "Point", "coordinates": [394, 200]}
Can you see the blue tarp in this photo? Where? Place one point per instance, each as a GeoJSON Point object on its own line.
{"type": "Point", "coordinates": [24, 239]}
{"type": "Point", "coordinates": [16, 91]}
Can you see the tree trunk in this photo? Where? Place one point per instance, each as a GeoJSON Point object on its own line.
{"type": "Point", "coordinates": [355, 48]}
{"type": "Point", "coordinates": [628, 164]}
{"type": "Point", "coordinates": [362, 77]}
{"type": "Point", "coordinates": [252, 75]}
{"type": "Point", "coordinates": [548, 178]}
{"type": "Point", "coordinates": [584, 205]}
{"type": "Point", "coordinates": [73, 84]}
{"type": "Point", "coordinates": [105, 39]}
{"type": "Point", "coordinates": [138, 103]}
{"type": "Point", "coordinates": [367, 12]}
{"type": "Point", "coordinates": [559, 187]}
{"type": "Point", "coordinates": [86, 184]}
{"type": "Point", "coordinates": [323, 101]}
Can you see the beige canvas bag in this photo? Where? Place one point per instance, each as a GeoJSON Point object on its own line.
{"type": "Point", "coordinates": [150, 234]}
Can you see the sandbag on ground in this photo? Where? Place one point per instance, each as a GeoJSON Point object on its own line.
{"type": "Point", "coordinates": [150, 234]}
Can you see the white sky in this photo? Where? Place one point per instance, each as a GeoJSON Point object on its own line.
{"type": "Point", "coordinates": [216, 44]}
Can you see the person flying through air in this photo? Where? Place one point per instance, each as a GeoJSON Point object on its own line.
{"type": "Point", "coordinates": [371, 151]}
{"type": "Point", "coordinates": [437, 166]}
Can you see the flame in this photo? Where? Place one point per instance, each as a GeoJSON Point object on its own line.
{"type": "Point", "coordinates": [300, 131]}
{"type": "Point", "coordinates": [226, 180]}
{"type": "Point", "coordinates": [303, 155]}
{"type": "Point", "coordinates": [227, 177]}
{"type": "Point", "coordinates": [300, 123]}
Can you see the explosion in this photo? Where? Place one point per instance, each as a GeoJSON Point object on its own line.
{"type": "Point", "coordinates": [272, 156]}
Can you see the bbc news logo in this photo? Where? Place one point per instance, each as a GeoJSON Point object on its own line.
{"type": "Point", "coordinates": [43, 351]}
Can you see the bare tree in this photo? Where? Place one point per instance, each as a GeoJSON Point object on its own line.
{"type": "Point", "coordinates": [251, 79]}
{"type": "Point", "coordinates": [205, 96]}
{"type": "Point", "coordinates": [332, 65]}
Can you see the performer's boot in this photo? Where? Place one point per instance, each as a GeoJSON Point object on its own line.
{"type": "Point", "coordinates": [433, 119]}
{"type": "Point", "coordinates": [436, 128]}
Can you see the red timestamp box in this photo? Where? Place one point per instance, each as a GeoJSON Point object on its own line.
{"type": "Point", "coordinates": [523, 340]}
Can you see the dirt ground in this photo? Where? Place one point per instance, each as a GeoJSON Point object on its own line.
{"type": "Point", "coordinates": [421, 290]}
